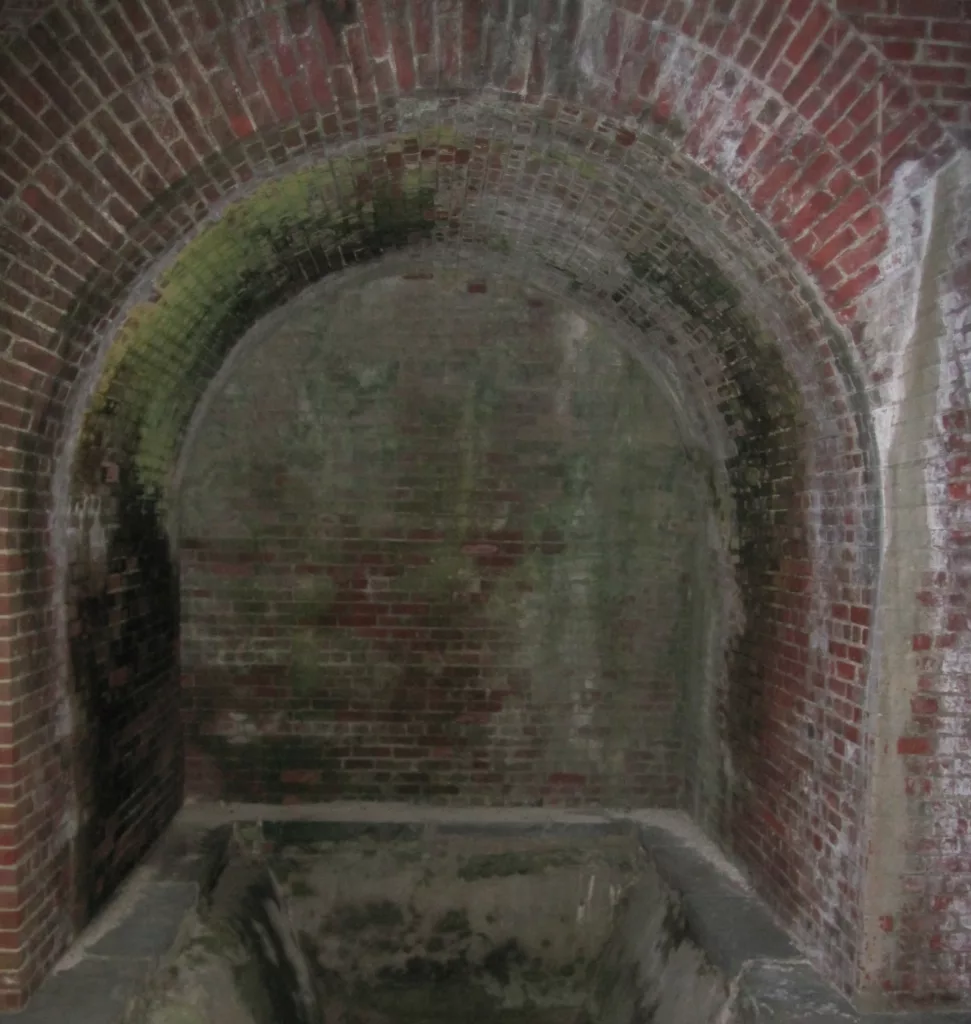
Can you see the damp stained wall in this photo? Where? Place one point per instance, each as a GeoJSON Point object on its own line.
{"type": "Point", "coordinates": [439, 539]}
{"type": "Point", "coordinates": [122, 759]}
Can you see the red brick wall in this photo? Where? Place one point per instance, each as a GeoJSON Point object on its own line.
{"type": "Point", "coordinates": [124, 127]}
{"type": "Point", "coordinates": [440, 540]}
{"type": "Point", "coordinates": [929, 41]}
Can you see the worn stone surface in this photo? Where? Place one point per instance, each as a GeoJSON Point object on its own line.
{"type": "Point", "coordinates": [528, 914]}
{"type": "Point", "coordinates": [365, 927]}
{"type": "Point", "coordinates": [371, 882]}
{"type": "Point", "coordinates": [95, 992]}
{"type": "Point", "coordinates": [652, 969]}
{"type": "Point", "coordinates": [789, 993]}
{"type": "Point", "coordinates": [154, 922]}
{"type": "Point", "coordinates": [104, 976]}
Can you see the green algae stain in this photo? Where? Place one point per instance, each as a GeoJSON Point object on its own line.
{"type": "Point", "coordinates": [763, 410]}
{"type": "Point", "coordinates": [265, 249]}
{"type": "Point", "coordinates": [504, 865]}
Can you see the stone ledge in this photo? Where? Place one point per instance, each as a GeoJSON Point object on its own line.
{"type": "Point", "coordinates": [115, 959]}
{"type": "Point", "coordinates": [110, 967]}
{"type": "Point", "coordinates": [775, 983]}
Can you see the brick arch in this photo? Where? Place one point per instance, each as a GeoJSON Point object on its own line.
{"type": "Point", "coordinates": [537, 183]}
{"type": "Point", "coordinates": [611, 273]}
{"type": "Point", "coordinates": [189, 84]}
{"type": "Point", "coordinates": [127, 126]}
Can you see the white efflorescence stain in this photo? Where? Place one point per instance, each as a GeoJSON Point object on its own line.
{"type": "Point", "coordinates": [892, 307]}
{"type": "Point", "coordinates": [954, 372]}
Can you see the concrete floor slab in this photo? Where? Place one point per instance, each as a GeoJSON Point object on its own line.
{"type": "Point", "coordinates": [153, 925]}
{"type": "Point", "coordinates": [95, 991]}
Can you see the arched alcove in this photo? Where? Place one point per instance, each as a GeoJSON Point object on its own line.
{"type": "Point", "coordinates": [440, 538]}
{"type": "Point", "coordinates": [693, 293]}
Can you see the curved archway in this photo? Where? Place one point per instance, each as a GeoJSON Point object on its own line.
{"type": "Point", "coordinates": [714, 322]}
{"type": "Point", "coordinates": [631, 160]}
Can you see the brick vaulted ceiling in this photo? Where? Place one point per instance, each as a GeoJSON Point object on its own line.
{"type": "Point", "coordinates": [925, 41]}
{"type": "Point", "coordinates": [929, 41]}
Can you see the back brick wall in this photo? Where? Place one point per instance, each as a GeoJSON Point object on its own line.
{"type": "Point", "coordinates": [439, 540]}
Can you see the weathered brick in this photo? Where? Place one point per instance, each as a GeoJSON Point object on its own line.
{"type": "Point", "coordinates": [169, 140]}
